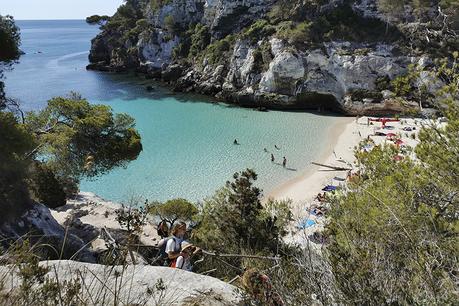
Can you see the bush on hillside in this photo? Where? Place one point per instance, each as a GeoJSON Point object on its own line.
{"type": "Point", "coordinates": [394, 235]}
{"type": "Point", "coordinates": [173, 210]}
{"type": "Point", "coordinates": [235, 221]}
{"type": "Point", "coordinates": [46, 188]}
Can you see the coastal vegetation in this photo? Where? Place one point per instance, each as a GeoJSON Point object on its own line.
{"type": "Point", "coordinates": [44, 154]}
{"type": "Point", "coordinates": [173, 210]}
{"type": "Point", "coordinates": [97, 19]}
{"type": "Point", "coordinates": [53, 149]}
{"type": "Point", "coordinates": [391, 236]}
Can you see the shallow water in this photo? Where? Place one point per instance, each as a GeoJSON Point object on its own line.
{"type": "Point", "coordinates": [188, 142]}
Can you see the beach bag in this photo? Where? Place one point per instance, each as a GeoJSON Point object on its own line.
{"type": "Point", "coordinates": [162, 251]}
{"type": "Point", "coordinates": [173, 263]}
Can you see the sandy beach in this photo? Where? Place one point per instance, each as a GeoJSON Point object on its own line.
{"type": "Point", "coordinates": [344, 137]}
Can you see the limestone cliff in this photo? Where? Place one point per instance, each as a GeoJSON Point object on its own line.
{"type": "Point", "coordinates": [333, 54]}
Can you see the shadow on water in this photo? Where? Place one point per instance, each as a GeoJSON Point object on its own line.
{"type": "Point", "coordinates": [133, 86]}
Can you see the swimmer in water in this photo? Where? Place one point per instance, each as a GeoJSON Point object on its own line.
{"type": "Point", "coordinates": [284, 162]}
{"type": "Point", "coordinates": [276, 147]}
{"type": "Point", "coordinates": [235, 142]}
{"type": "Point", "coordinates": [272, 157]}
{"type": "Point", "coordinates": [266, 150]}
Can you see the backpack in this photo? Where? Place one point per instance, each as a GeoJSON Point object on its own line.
{"type": "Point", "coordinates": [173, 263]}
{"type": "Point", "coordinates": [162, 247]}
{"type": "Point", "coordinates": [162, 251]}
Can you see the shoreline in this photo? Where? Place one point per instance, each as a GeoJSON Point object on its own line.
{"type": "Point", "coordinates": [345, 136]}
{"type": "Point", "coordinates": [295, 189]}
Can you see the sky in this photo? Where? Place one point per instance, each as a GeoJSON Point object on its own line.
{"type": "Point", "coordinates": [57, 9]}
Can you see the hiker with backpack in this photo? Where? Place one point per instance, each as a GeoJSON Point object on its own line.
{"type": "Point", "coordinates": [170, 247]}
{"type": "Point", "coordinates": [174, 244]}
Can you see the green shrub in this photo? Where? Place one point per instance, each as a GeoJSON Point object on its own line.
{"type": "Point", "coordinates": [258, 30]}
{"type": "Point", "coordinates": [46, 187]}
{"type": "Point", "coordinates": [295, 33]}
{"type": "Point", "coordinates": [200, 39]}
{"type": "Point", "coordinates": [10, 39]}
{"type": "Point", "coordinates": [262, 56]}
{"type": "Point", "coordinates": [97, 19]}
{"type": "Point", "coordinates": [248, 227]}
{"type": "Point", "coordinates": [170, 25]}
{"type": "Point", "coordinates": [173, 210]}
{"type": "Point", "coordinates": [217, 51]}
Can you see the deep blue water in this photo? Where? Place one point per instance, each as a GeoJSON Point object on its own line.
{"type": "Point", "coordinates": [188, 150]}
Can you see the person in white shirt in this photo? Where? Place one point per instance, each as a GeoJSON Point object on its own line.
{"type": "Point", "coordinates": [173, 245]}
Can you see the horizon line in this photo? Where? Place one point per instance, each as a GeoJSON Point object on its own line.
{"type": "Point", "coordinates": [52, 19]}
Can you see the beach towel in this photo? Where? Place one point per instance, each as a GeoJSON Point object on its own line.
{"type": "Point", "coordinates": [306, 223]}
{"type": "Point", "coordinates": [329, 188]}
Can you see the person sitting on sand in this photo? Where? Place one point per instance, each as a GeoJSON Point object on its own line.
{"type": "Point", "coordinates": [272, 157]}
{"type": "Point", "coordinates": [184, 260]}
{"type": "Point", "coordinates": [284, 162]}
{"type": "Point", "coordinates": [321, 197]}
{"type": "Point", "coordinates": [235, 142]}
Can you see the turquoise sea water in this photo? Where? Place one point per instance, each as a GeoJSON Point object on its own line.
{"type": "Point", "coordinates": [188, 142]}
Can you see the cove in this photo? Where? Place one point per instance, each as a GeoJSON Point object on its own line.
{"type": "Point", "coordinates": [188, 142]}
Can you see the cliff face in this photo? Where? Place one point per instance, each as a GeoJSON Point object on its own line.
{"type": "Point", "coordinates": [333, 54]}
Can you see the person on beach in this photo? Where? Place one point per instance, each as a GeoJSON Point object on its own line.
{"type": "Point", "coordinates": [284, 162]}
{"type": "Point", "coordinates": [174, 244]}
{"type": "Point", "coordinates": [235, 142]}
{"type": "Point", "coordinates": [272, 157]}
{"type": "Point", "coordinates": [184, 260]}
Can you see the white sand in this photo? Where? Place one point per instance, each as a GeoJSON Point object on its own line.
{"type": "Point", "coordinates": [344, 138]}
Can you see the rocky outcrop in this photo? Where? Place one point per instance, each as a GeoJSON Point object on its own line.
{"type": "Point", "coordinates": [265, 69]}
{"type": "Point", "coordinates": [40, 227]}
{"type": "Point", "coordinates": [139, 285]}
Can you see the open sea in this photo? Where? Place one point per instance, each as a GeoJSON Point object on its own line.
{"type": "Point", "coordinates": [188, 142]}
